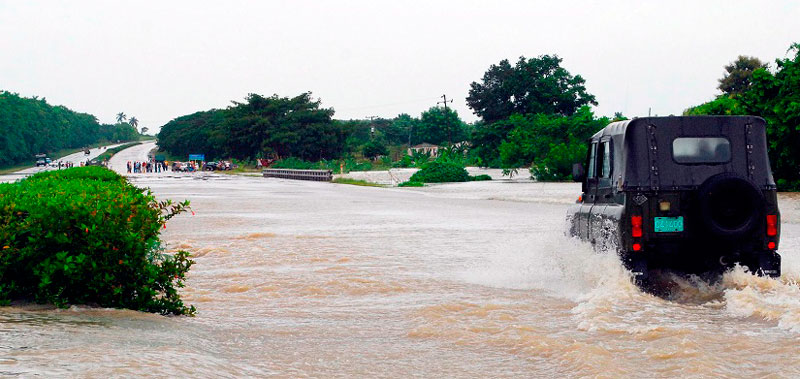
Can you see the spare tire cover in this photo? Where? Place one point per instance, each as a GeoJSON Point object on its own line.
{"type": "Point", "coordinates": [729, 205]}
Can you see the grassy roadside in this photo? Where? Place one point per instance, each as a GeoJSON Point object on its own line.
{"type": "Point", "coordinates": [356, 182]}
{"type": "Point", "coordinates": [106, 155]}
{"type": "Point", "coordinates": [12, 169]}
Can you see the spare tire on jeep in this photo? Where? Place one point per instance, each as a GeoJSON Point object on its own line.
{"type": "Point", "coordinates": [729, 205]}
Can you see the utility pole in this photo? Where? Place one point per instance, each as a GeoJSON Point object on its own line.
{"type": "Point", "coordinates": [444, 101]}
{"type": "Point", "coordinates": [449, 128]}
{"type": "Point", "coordinates": [371, 126]}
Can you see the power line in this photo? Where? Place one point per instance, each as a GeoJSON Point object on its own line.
{"type": "Point", "coordinates": [389, 104]}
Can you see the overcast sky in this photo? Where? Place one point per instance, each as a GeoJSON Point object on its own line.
{"type": "Point", "coordinates": [158, 60]}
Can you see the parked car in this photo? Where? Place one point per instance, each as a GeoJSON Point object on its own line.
{"type": "Point", "coordinates": [689, 194]}
{"type": "Point", "coordinates": [179, 167]}
{"type": "Point", "coordinates": [217, 166]}
{"type": "Point", "coordinates": [211, 166]}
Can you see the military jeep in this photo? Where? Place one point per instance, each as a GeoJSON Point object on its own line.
{"type": "Point", "coordinates": [686, 194]}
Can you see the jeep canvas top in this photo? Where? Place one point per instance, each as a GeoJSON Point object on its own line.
{"type": "Point", "coordinates": [693, 194]}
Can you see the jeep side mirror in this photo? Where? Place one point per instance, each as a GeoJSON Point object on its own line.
{"type": "Point", "coordinates": [578, 172]}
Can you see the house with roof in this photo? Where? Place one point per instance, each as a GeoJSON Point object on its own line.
{"type": "Point", "coordinates": [424, 148]}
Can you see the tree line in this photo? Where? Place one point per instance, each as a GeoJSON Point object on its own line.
{"type": "Point", "coordinates": [30, 126]}
{"type": "Point", "coordinates": [535, 103]}
{"type": "Point", "coordinates": [533, 113]}
{"type": "Point", "coordinates": [749, 86]}
{"type": "Point", "coordinates": [281, 127]}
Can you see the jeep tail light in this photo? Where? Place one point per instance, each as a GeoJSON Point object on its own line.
{"type": "Point", "coordinates": [772, 225]}
{"type": "Point", "coordinates": [636, 226]}
{"type": "Point", "coordinates": [771, 245]}
{"type": "Point", "coordinates": [637, 247]}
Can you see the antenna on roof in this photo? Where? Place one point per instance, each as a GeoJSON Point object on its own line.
{"type": "Point", "coordinates": [648, 112]}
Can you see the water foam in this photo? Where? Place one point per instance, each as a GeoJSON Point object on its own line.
{"type": "Point", "coordinates": [606, 299]}
{"type": "Point", "coordinates": [748, 295]}
{"type": "Point", "coordinates": [562, 266]}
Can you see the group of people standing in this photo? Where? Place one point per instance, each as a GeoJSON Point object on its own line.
{"type": "Point", "coordinates": [147, 167]}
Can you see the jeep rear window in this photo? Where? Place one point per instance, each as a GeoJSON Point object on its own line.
{"type": "Point", "coordinates": [703, 150]}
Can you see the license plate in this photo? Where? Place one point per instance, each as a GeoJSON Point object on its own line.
{"type": "Point", "coordinates": [668, 224]}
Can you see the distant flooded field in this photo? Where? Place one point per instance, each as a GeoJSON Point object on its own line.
{"type": "Point", "coordinates": [457, 280]}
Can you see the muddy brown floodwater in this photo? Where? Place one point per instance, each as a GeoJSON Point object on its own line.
{"type": "Point", "coordinates": [303, 279]}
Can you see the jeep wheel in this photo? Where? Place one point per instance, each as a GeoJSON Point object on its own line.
{"type": "Point", "coordinates": [729, 205]}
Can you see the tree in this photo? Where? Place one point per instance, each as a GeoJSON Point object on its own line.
{"type": "Point", "coordinates": [737, 78]}
{"type": "Point", "coordinates": [536, 85]}
{"type": "Point", "coordinates": [403, 125]}
{"type": "Point", "coordinates": [197, 133]}
{"type": "Point", "coordinates": [776, 98]}
{"type": "Point", "coordinates": [145, 129]}
{"type": "Point", "coordinates": [375, 148]}
{"type": "Point", "coordinates": [723, 105]}
{"type": "Point", "coordinates": [486, 139]}
{"type": "Point", "coordinates": [283, 127]}
{"type": "Point", "coordinates": [549, 143]}
{"type": "Point", "coordinates": [121, 117]}
{"type": "Point", "coordinates": [134, 122]}
{"type": "Point", "coordinates": [30, 126]}
{"type": "Point", "coordinates": [259, 127]}
{"type": "Point", "coordinates": [439, 126]}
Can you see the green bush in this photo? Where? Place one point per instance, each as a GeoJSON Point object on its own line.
{"type": "Point", "coordinates": [404, 162]}
{"type": "Point", "coordinates": [411, 184]}
{"type": "Point", "coordinates": [480, 178]}
{"type": "Point", "coordinates": [440, 172]}
{"type": "Point", "coordinates": [87, 236]}
{"type": "Point", "coordinates": [79, 173]}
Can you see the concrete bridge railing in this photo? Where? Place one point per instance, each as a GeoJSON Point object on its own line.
{"type": "Point", "coordinates": [285, 173]}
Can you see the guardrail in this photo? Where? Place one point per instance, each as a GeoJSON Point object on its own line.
{"type": "Point", "coordinates": [285, 173]}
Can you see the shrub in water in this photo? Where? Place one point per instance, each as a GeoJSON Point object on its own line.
{"type": "Point", "coordinates": [440, 172]}
{"type": "Point", "coordinates": [480, 178]}
{"type": "Point", "coordinates": [87, 236]}
{"type": "Point", "coordinates": [411, 184]}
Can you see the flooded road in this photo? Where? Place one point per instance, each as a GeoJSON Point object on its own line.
{"type": "Point", "coordinates": [458, 280]}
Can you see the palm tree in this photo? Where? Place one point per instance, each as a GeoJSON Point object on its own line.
{"type": "Point", "coordinates": [144, 129]}
{"type": "Point", "coordinates": [121, 117]}
{"type": "Point", "coordinates": [134, 122]}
